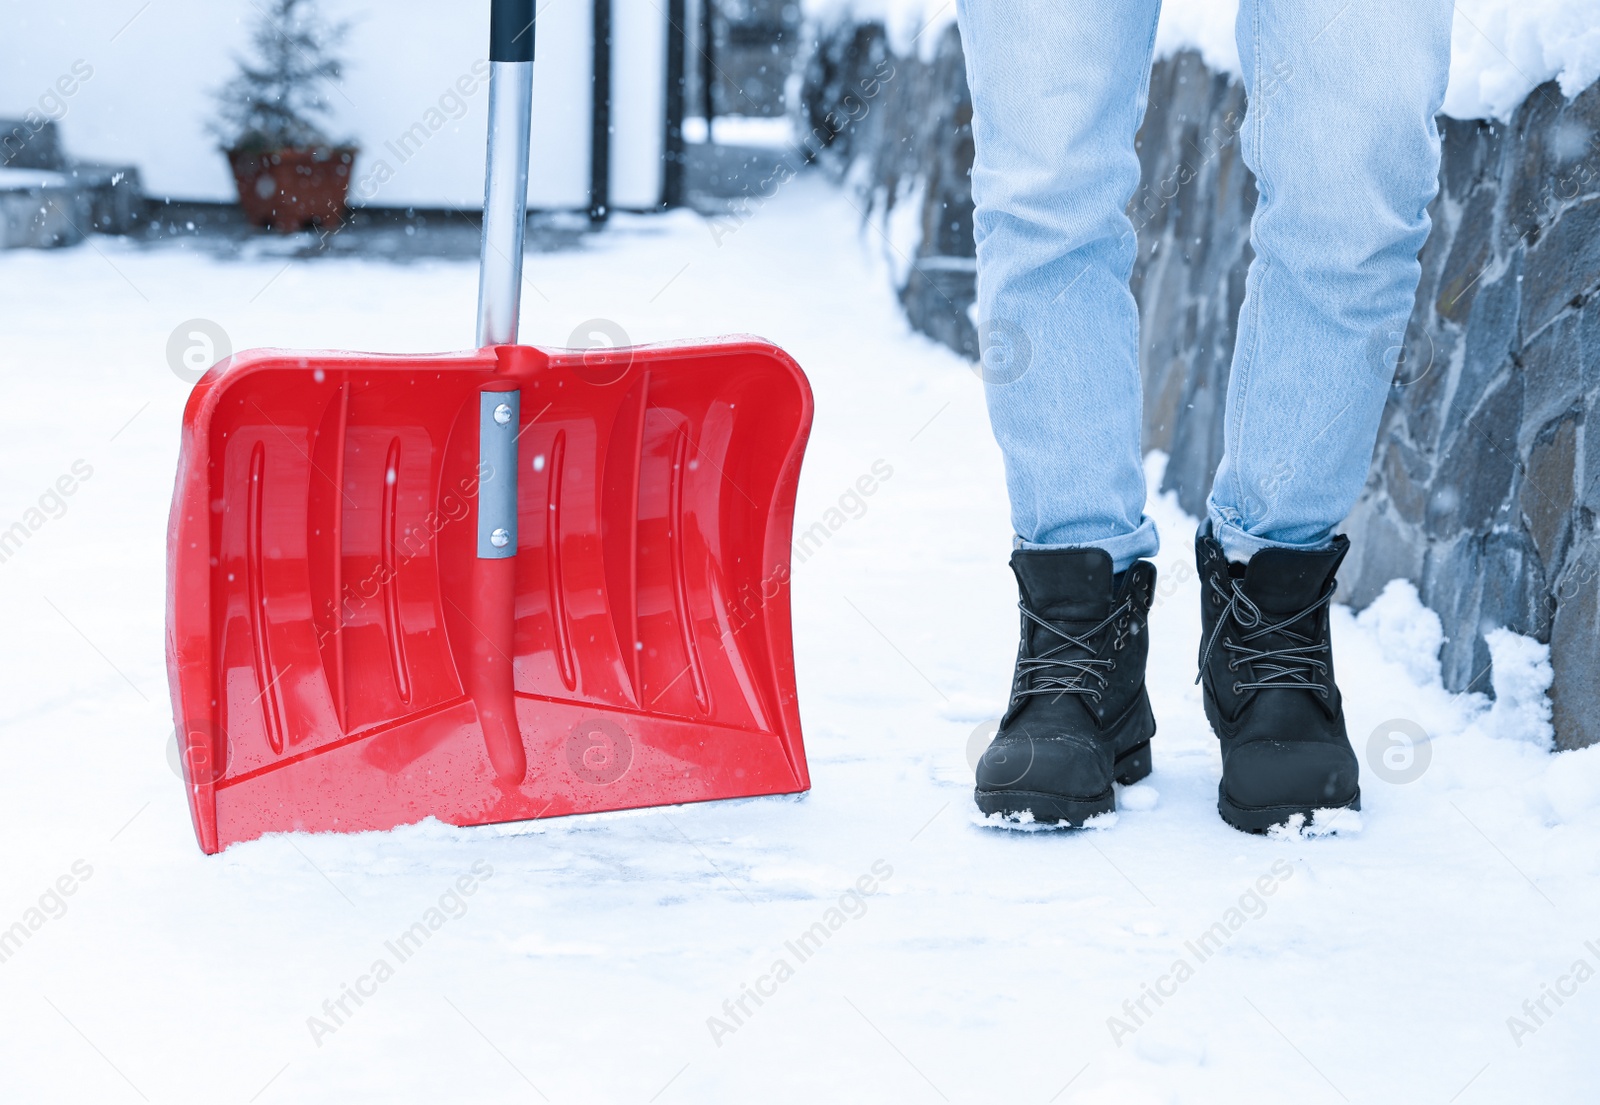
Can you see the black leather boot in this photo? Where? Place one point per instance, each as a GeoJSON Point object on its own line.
{"type": "Point", "coordinates": [1079, 717]}
{"type": "Point", "coordinates": [1266, 662]}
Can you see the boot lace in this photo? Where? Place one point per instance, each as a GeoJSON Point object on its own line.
{"type": "Point", "coordinates": [1050, 672]}
{"type": "Point", "coordinates": [1295, 664]}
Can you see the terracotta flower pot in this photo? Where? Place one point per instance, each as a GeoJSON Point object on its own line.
{"type": "Point", "coordinates": [291, 189]}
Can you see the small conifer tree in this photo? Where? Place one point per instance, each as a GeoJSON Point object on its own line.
{"type": "Point", "coordinates": [278, 99]}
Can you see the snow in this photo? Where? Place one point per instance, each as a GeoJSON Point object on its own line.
{"type": "Point", "coordinates": [913, 26]}
{"type": "Point", "coordinates": [1205, 26]}
{"type": "Point", "coordinates": [766, 132]}
{"type": "Point", "coordinates": [1407, 633]}
{"type": "Point", "coordinates": [14, 180]}
{"type": "Point", "coordinates": [1162, 957]}
{"type": "Point", "coordinates": [1501, 50]}
{"type": "Point", "coordinates": [1521, 675]}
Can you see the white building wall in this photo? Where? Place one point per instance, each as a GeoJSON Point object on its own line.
{"type": "Point", "coordinates": [156, 66]}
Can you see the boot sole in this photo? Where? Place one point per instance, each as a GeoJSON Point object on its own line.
{"type": "Point", "coordinates": [1259, 819]}
{"type": "Point", "coordinates": [1058, 809]}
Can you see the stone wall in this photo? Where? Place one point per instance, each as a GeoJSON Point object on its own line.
{"type": "Point", "coordinates": [1483, 490]}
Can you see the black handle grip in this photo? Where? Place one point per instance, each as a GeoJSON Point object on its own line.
{"type": "Point", "coordinates": [511, 30]}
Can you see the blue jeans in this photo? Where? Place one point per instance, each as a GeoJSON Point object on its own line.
{"type": "Point", "coordinates": [1340, 135]}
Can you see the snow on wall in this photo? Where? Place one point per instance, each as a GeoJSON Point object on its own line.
{"type": "Point", "coordinates": [415, 69]}
{"type": "Point", "coordinates": [1500, 49]}
{"type": "Point", "coordinates": [1503, 49]}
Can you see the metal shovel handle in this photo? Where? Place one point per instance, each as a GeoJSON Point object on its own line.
{"type": "Point", "coordinates": [505, 189]}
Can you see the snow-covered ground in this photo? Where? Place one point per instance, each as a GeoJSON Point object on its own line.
{"type": "Point", "coordinates": [1166, 958]}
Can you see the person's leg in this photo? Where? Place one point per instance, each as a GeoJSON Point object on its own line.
{"type": "Point", "coordinates": [1058, 89]}
{"type": "Point", "coordinates": [1340, 135]}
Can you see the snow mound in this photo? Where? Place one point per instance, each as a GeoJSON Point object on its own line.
{"type": "Point", "coordinates": [1572, 784]}
{"type": "Point", "coordinates": [1140, 797]}
{"type": "Point", "coordinates": [1521, 675]}
{"type": "Point", "coordinates": [913, 26]}
{"type": "Point", "coordinates": [1502, 50]}
{"type": "Point", "coordinates": [1406, 632]}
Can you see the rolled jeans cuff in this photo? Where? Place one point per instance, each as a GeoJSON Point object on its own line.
{"type": "Point", "coordinates": [1240, 546]}
{"type": "Point", "coordinates": [1125, 548]}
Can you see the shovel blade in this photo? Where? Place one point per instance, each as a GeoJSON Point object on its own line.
{"type": "Point", "coordinates": [346, 653]}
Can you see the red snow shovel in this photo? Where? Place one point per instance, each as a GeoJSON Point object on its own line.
{"type": "Point", "coordinates": [486, 586]}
